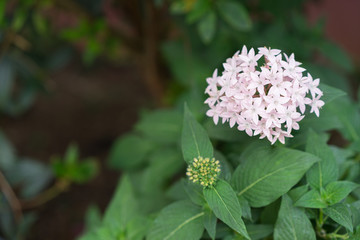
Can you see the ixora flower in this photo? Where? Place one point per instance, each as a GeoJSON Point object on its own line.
{"type": "Point", "coordinates": [267, 100]}
{"type": "Point", "coordinates": [204, 171]}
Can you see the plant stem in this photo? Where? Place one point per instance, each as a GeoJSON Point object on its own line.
{"type": "Point", "coordinates": [59, 187]}
{"type": "Point", "coordinates": [11, 198]}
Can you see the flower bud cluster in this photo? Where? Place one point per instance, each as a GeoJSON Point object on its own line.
{"type": "Point", "coordinates": [204, 171]}
{"type": "Point", "coordinates": [267, 100]}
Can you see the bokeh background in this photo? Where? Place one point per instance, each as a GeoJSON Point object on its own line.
{"type": "Point", "coordinates": [84, 71]}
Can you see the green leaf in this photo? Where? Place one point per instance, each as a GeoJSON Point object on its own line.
{"type": "Point", "coordinates": [33, 176]}
{"type": "Point", "coordinates": [337, 191]}
{"type": "Point", "coordinates": [194, 139]}
{"type": "Point", "coordinates": [235, 14]}
{"type": "Point", "coordinates": [163, 126]}
{"type": "Point", "coordinates": [129, 152]}
{"type": "Point", "coordinates": [92, 218]}
{"type": "Point", "coordinates": [245, 208]}
{"type": "Point", "coordinates": [186, 66]}
{"type": "Point", "coordinates": [223, 132]}
{"type": "Point", "coordinates": [71, 154]}
{"type": "Point", "coordinates": [324, 171]}
{"type": "Point", "coordinates": [198, 9]}
{"type": "Point", "coordinates": [336, 54]}
{"type": "Point", "coordinates": [259, 231]}
{"type": "Point", "coordinates": [2, 11]}
{"type": "Point", "coordinates": [341, 214]}
{"type": "Point", "coordinates": [207, 27]}
{"type": "Point", "coordinates": [180, 220]}
{"type": "Point", "coordinates": [210, 223]}
{"type": "Point", "coordinates": [194, 192]}
{"type": "Point", "coordinates": [137, 228]}
{"type": "Point", "coordinates": [269, 173]}
{"type": "Point", "coordinates": [330, 93]}
{"type": "Point", "coordinates": [223, 201]}
{"type": "Point", "coordinates": [122, 208]}
{"type": "Point", "coordinates": [311, 199]}
{"type": "Point", "coordinates": [270, 212]}
{"type": "Point", "coordinates": [225, 166]}
{"type": "Point", "coordinates": [292, 223]}
{"type": "Point", "coordinates": [356, 235]}
{"type": "Point", "coordinates": [296, 193]}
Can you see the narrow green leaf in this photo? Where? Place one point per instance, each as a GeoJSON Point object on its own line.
{"type": "Point", "coordinates": [341, 214]}
{"type": "Point", "coordinates": [292, 223]}
{"type": "Point", "coordinates": [210, 223]}
{"type": "Point", "coordinates": [207, 27]}
{"type": "Point", "coordinates": [180, 220]}
{"type": "Point", "coordinates": [223, 201]}
{"type": "Point", "coordinates": [235, 14]}
{"type": "Point", "coordinates": [326, 170]}
{"type": "Point", "coordinates": [269, 173]}
{"type": "Point", "coordinates": [122, 208]}
{"type": "Point", "coordinates": [194, 139]}
{"type": "Point", "coordinates": [337, 191]}
{"type": "Point", "coordinates": [311, 199]}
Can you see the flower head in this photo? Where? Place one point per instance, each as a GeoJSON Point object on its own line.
{"type": "Point", "coordinates": [204, 171]}
{"type": "Point", "coordinates": [267, 100]}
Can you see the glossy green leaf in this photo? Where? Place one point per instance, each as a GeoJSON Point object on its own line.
{"type": "Point", "coordinates": [207, 27]}
{"type": "Point", "coordinates": [292, 223]}
{"type": "Point", "coordinates": [311, 199]}
{"type": "Point", "coordinates": [341, 214]}
{"type": "Point", "coordinates": [235, 14]}
{"type": "Point", "coordinates": [324, 171]}
{"type": "Point", "coordinates": [180, 220]}
{"type": "Point", "coordinates": [223, 201]}
{"type": "Point", "coordinates": [194, 139]}
{"type": "Point", "coordinates": [269, 173]}
{"type": "Point", "coordinates": [338, 190]}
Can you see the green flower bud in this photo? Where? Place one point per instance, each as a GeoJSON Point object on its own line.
{"type": "Point", "coordinates": [204, 171]}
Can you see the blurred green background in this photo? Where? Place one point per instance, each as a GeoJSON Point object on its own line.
{"type": "Point", "coordinates": [84, 71]}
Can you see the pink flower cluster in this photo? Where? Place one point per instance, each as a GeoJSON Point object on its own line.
{"type": "Point", "coordinates": [266, 100]}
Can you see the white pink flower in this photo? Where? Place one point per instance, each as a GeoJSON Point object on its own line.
{"type": "Point", "coordinates": [267, 100]}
